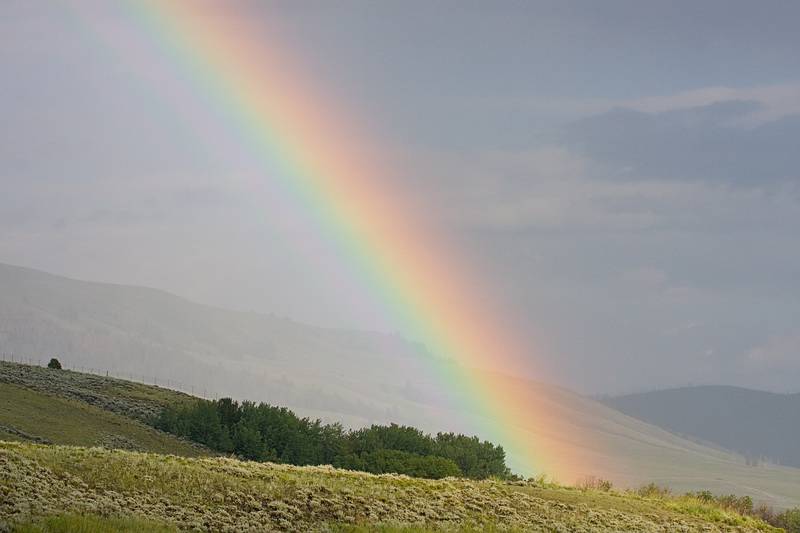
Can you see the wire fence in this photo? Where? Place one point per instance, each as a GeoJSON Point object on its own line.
{"type": "Point", "coordinates": [201, 391]}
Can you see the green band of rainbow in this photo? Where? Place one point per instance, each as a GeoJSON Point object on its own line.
{"type": "Point", "coordinates": [333, 175]}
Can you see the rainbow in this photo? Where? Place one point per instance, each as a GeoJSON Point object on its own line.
{"type": "Point", "coordinates": [333, 173]}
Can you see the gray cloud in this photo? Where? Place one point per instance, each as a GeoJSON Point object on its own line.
{"type": "Point", "coordinates": [624, 175]}
{"type": "Point", "coordinates": [669, 281]}
{"type": "Point", "coordinates": [699, 143]}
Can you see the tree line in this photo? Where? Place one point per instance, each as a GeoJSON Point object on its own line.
{"type": "Point", "coordinates": [262, 432]}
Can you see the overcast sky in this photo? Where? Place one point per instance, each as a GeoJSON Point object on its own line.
{"type": "Point", "coordinates": [627, 174]}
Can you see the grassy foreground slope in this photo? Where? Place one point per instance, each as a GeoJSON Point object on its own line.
{"type": "Point", "coordinates": [89, 523]}
{"type": "Point", "coordinates": [220, 494]}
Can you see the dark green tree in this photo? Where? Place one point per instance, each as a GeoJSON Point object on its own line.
{"type": "Point", "coordinates": [229, 412]}
{"type": "Point", "coordinates": [247, 441]}
{"type": "Point", "coordinates": [476, 459]}
{"type": "Point", "coordinates": [262, 432]}
{"type": "Point", "coordinates": [399, 462]}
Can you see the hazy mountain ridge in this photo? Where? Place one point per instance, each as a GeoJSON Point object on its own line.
{"type": "Point", "coordinates": [148, 332]}
{"type": "Point", "coordinates": [764, 426]}
{"type": "Point", "coordinates": [353, 377]}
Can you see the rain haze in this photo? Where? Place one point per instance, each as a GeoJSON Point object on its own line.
{"type": "Point", "coordinates": [623, 175]}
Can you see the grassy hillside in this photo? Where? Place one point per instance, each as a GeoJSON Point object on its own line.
{"type": "Point", "coordinates": [126, 398]}
{"type": "Point", "coordinates": [87, 523]}
{"type": "Point", "coordinates": [758, 424]}
{"type": "Point", "coordinates": [51, 488]}
{"type": "Point", "coordinates": [626, 450]}
{"type": "Point", "coordinates": [63, 407]}
{"type": "Point", "coordinates": [222, 494]}
{"type": "Point", "coordinates": [27, 415]}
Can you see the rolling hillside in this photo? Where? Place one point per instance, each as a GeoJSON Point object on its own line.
{"type": "Point", "coordinates": [62, 407]}
{"type": "Point", "coordinates": [29, 416]}
{"type": "Point", "coordinates": [220, 494]}
{"type": "Point", "coordinates": [45, 486]}
{"type": "Point", "coordinates": [761, 425]}
{"type": "Point", "coordinates": [353, 377]}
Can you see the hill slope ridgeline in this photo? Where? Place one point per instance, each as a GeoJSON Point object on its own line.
{"type": "Point", "coordinates": [760, 425]}
{"type": "Point", "coordinates": [356, 378]}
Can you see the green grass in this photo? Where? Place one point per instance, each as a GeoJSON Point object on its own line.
{"type": "Point", "coordinates": [30, 415]}
{"type": "Point", "coordinates": [218, 494]}
{"type": "Point", "coordinates": [627, 451]}
{"type": "Point", "coordinates": [485, 528]}
{"type": "Point", "coordinates": [666, 508]}
{"type": "Point", "coordinates": [45, 487]}
{"type": "Point", "coordinates": [126, 398]}
{"type": "Point", "coordinates": [75, 523]}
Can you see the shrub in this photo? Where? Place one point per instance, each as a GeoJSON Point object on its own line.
{"type": "Point", "coordinates": [789, 520]}
{"type": "Point", "coordinates": [651, 490]}
{"type": "Point", "coordinates": [54, 364]}
{"type": "Point", "coordinates": [595, 483]}
{"type": "Point", "coordinates": [740, 504]}
{"type": "Point", "coordinates": [766, 513]}
{"type": "Point", "coordinates": [704, 496]}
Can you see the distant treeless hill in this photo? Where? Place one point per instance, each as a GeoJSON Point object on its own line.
{"type": "Point", "coordinates": [760, 425]}
{"type": "Point", "coordinates": [353, 377]}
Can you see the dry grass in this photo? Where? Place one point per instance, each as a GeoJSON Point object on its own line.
{"type": "Point", "coordinates": [219, 494]}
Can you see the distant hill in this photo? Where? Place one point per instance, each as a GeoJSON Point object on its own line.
{"type": "Point", "coordinates": [760, 425]}
{"type": "Point", "coordinates": [352, 377]}
{"type": "Point", "coordinates": [150, 335]}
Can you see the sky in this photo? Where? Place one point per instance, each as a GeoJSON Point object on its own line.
{"type": "Point", "coordinates": [624, 175]}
